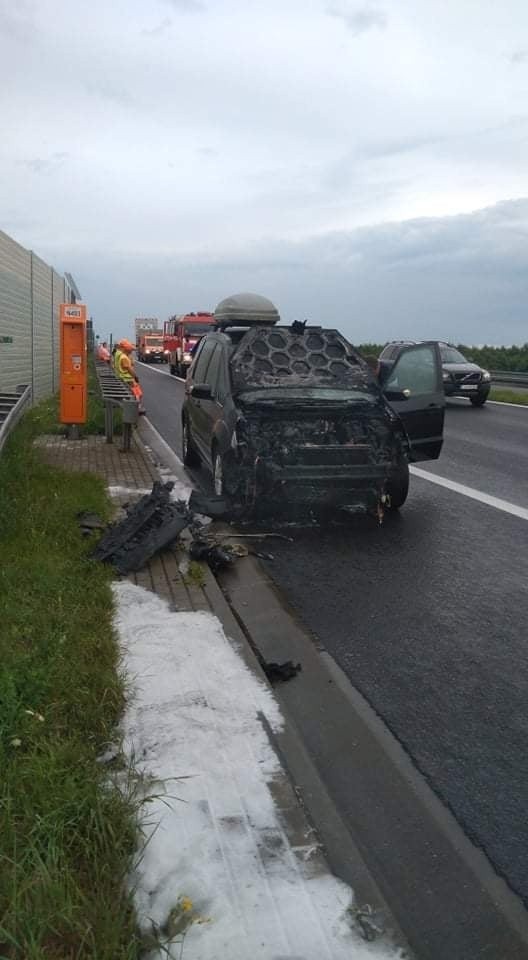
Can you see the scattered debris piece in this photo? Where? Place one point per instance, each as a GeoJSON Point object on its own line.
{"type": "Point", "coordinates": [211, 553]}
{"type": "Point", "coordinates": [298, 326]}
{"type": "Point", "coordinates": [368, 921]}
{"type": "Point", "coordinates": [239, 550]}
{"type": "Point", "coordinates": [88, 522]}
{"type": "Point", "coordinates": [280, 672]}
{"type": "Point", "coordinates": [151, 524]}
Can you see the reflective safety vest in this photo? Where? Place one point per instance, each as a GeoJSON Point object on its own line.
{"type": "Point", "coordinates": [115, 359]}
{"type": "Point", "coordinates": [123, 368]}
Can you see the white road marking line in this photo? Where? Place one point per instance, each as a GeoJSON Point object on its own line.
{"type": "Point", "coordinates": [473, 494]}
{"type": "Point", "coordinates": [504, 403]}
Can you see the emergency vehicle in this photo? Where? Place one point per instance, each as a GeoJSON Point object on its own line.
{"type": "Point", "coordinates": [181, 333]}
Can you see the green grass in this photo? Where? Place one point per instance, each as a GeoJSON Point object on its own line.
{"type": "Point", "coordinates": [66, 835]}
{"type": "Point", "coordinates": [509, 396]}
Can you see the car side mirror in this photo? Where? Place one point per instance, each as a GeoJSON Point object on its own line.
{"type": "Point", "coordinates": [201, 391]}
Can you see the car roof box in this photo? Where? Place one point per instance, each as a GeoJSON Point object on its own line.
{"type": "Point", "coordinates": [246, 310]}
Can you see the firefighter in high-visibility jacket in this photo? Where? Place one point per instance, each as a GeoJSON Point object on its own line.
{"type": "Point", "coordinates": [116, 353]}
{"type": "Point", "coordinates": [125, 370]}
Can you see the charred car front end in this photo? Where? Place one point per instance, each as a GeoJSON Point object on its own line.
{"type": "Point", "coordinates": [314, 446]}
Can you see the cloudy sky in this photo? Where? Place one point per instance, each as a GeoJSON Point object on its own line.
{"type": "Point", "coordinates": [364, 164]}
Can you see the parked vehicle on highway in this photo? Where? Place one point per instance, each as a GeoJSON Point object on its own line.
{"type": "Point", "coordinates": [181, 334]}
{"type": "Point", "coordinates": [150, 348]}
{"type": "Point", "coordinates": [460, 377]}
{"type": "Point", "coordinates": [293, 414]}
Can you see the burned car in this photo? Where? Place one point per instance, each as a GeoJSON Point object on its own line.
{"type": "Point", "coordinates": [293, 414]}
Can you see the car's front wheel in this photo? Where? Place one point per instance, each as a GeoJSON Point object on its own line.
{"type": "Point", "coordinates": [479, 400]}
{"type": "Point", "coordinates": [190, 455]}
{"type": "Point", "coordinates": [398, 486]}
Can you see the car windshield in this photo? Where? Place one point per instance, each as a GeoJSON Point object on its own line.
{"type": "Point", "coordinates": [279, 357]}
{"type": "Point", "coordinates": [153, 341]}
{"type": "Point", "coordinates": [450, 355]}
{"type": "Point", "coordinates": [196, 329]}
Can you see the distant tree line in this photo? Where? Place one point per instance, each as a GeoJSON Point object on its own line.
{"type": "Point", "coordinates": [492, 358]}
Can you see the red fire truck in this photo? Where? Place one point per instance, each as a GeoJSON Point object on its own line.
{"type": "Point", "coordinates": [180, 334]}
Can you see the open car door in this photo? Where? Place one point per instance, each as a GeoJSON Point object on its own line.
{"type": "Point", "coordinates": [413, 386]}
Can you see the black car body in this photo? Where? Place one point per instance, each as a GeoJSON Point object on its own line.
{"type": "Point", "coordinates": [285, 415]}
{"type": "Point", "coordinates": [460, 377]}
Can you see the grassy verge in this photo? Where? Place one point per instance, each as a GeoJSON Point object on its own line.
{"type": "Point", "coordinates": [66, 836]}
{"type": "Point", "coordinates": [509, 396]}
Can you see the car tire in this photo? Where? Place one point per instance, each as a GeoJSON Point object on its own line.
{"type": "Point", "coordinates": [478, 401]}
{"type": "Point", "coordinates": [190, 455]}
{"type": "Point", "coordinates": [398, 486]}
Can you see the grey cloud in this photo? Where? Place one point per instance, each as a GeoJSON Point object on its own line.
{"type": "Point", "coordinates": [359, 19]}
{"type": "Point", "coordinates": [109, 92]}
{"type": "Point", "coordinates": [462, 278]}
{"type": "Point", "coordinates": [187, 6]}
{"type": "Point", "coordinates": [17, 21]}
{"type": "Point", "coordinates": [49, 164]}
{"type": "Point", "coordinates": [158, 30]}
{"type": "Point", "coordinates": [519, 56]}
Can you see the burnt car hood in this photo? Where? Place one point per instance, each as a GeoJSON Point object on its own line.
{"type": "Point", "coordinates": [269, 357]}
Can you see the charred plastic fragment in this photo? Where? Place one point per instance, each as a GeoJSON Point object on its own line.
{"type": "Point", "coordinates": [211, 553]}
{"type": "Point", "coordinates": [280, 672]}
{"type": "Point", "coordinates": [153, 523]}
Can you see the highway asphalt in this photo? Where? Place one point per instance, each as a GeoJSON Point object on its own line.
{"type": "Point", "coordinates": [428, 617]}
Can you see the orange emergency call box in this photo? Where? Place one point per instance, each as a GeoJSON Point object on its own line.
{"type": "Point", "coordinates": [73, 363]}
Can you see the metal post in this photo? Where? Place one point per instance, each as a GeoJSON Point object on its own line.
{"type": "Point", "coordinates": [130, 417]}
{"type": "Point", "coordinates": [127, 434]}
{"type": "Point", "coordinates": [109, 422]}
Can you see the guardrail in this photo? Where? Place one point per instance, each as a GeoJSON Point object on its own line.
{"type": "Point", "coordinates": [514, 377]}
{"type": "Point", "coordinates": [12, 406]}
{"type": "Point", "coordinates": [115, 393]}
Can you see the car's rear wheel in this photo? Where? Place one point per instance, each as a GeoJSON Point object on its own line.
{"type": "Point", "coordinates": [398, 486]}
{"type": "Point", "coordinates": [191, 457]}
{"type": "Point", "coordinates": [479, 401]}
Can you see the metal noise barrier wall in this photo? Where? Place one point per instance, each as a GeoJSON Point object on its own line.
{"type": "Point", "coordinates": [30, 294]}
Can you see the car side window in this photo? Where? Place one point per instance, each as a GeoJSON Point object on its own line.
{"type": "Point", "coordinates": [213, 369]}
{"type": "Point", "coordinates": [199, 372]}
{"type": "Point", "coordinates": [222, 388]}
{"type": "Point", "coordinates": [414, 370]}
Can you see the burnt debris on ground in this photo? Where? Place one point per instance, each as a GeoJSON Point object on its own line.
{"type": "Point", "coordinates": [151, 524]}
